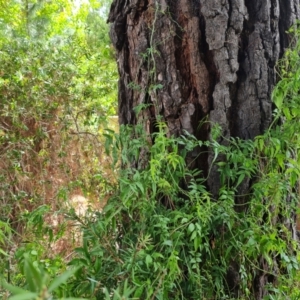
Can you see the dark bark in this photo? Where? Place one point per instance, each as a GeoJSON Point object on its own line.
{"type": "Point", "coordinates": [213, 58]}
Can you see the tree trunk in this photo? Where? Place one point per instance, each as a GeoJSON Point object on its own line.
{"type": "Point", "coordinates": [197, 59]}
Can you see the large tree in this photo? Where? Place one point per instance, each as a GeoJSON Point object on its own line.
{"type": "Point", "coordinates": [192, 60]}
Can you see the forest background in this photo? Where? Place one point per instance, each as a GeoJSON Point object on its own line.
{"type": "Point", "coordinates": [63, 157]}
{"type": "Point", "coordinates": [58, 94]}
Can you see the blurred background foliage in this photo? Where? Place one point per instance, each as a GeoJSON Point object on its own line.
{"type": "Point", "coordinates": [58, 86]}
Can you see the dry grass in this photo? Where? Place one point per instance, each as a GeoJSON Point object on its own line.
{"type": "Point", "coordinates": [54, 166]}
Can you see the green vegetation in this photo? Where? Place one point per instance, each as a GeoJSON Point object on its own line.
{"type": "Point", "coordinates": [161, 235]}
{"type": "Point", "coordinates": [58, 90]}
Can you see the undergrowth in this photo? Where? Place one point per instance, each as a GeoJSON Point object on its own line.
{"type": "Point", "coordinates": [58, 89]}
{"type": "Point", "coordinates": [158, 240]}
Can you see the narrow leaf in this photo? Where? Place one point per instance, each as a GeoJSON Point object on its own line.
{"type": "Point", "coordinates": [13, 289]}
{"type": "Point", "coordinates": [191, 227]}
{"type": "Point", "coordinates": [24, 296]}
{"type": "Point", "coordinates": [33, 276]}
{"type": "Point", "coordinates": [61, 279]}
{"type": "Point", "coordinates": [3, 252]}
{"type": "Point", "coordinates": [241, 178]}
{"type": "Point", "coordinates": [74, 298]}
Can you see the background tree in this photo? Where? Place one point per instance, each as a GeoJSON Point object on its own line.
{"type": "Point", "coordinates": [58, 91]}
{"type": "Point", "coordinates": [183, 62]}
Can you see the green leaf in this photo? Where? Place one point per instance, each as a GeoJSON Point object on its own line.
{"type": "Point", "coordinates": [149, 260]}
{"type": "Point", "coordinates": [3, 252]}
{"type": "Point", "coordinates": [138, 292]}
{"type": "Point", "coordinates": [168, 243]}
{"type": "Point", "coordinates": [140, 186]}
{"type": "Point", "coordinates": [241, 178]}
{"type": "Point", "coordinates": [25, 296]}
{"type": "Point", "coordinates": [191, 227]}
{"type": "Point", "coordinates": [221, 163]}
{"type": "Point", "coordinates": [286, 112]}
{"type": "Point", "coordinates": [33, 277]}
{"type": "Point", "coordinates": [278, 96]}
{"type": "Point", "coordinates": [74, 298]}
{"type": "Point", "coordinates": [61, 279]}
{"type": "Point", "coordinates": [184, 220]}
{"type": "Point", "coordinates": [197, 242]}
{"type": "Point", "coordinates": [13, 289]}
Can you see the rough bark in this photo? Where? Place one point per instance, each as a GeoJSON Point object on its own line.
{"type": "Point", "coordinates": [213, 59]}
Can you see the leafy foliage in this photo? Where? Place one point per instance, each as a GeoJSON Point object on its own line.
{"type": "Point", "coordinates": [58, 89]}
{"type": "Point", "coordinates": [163, 235]}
